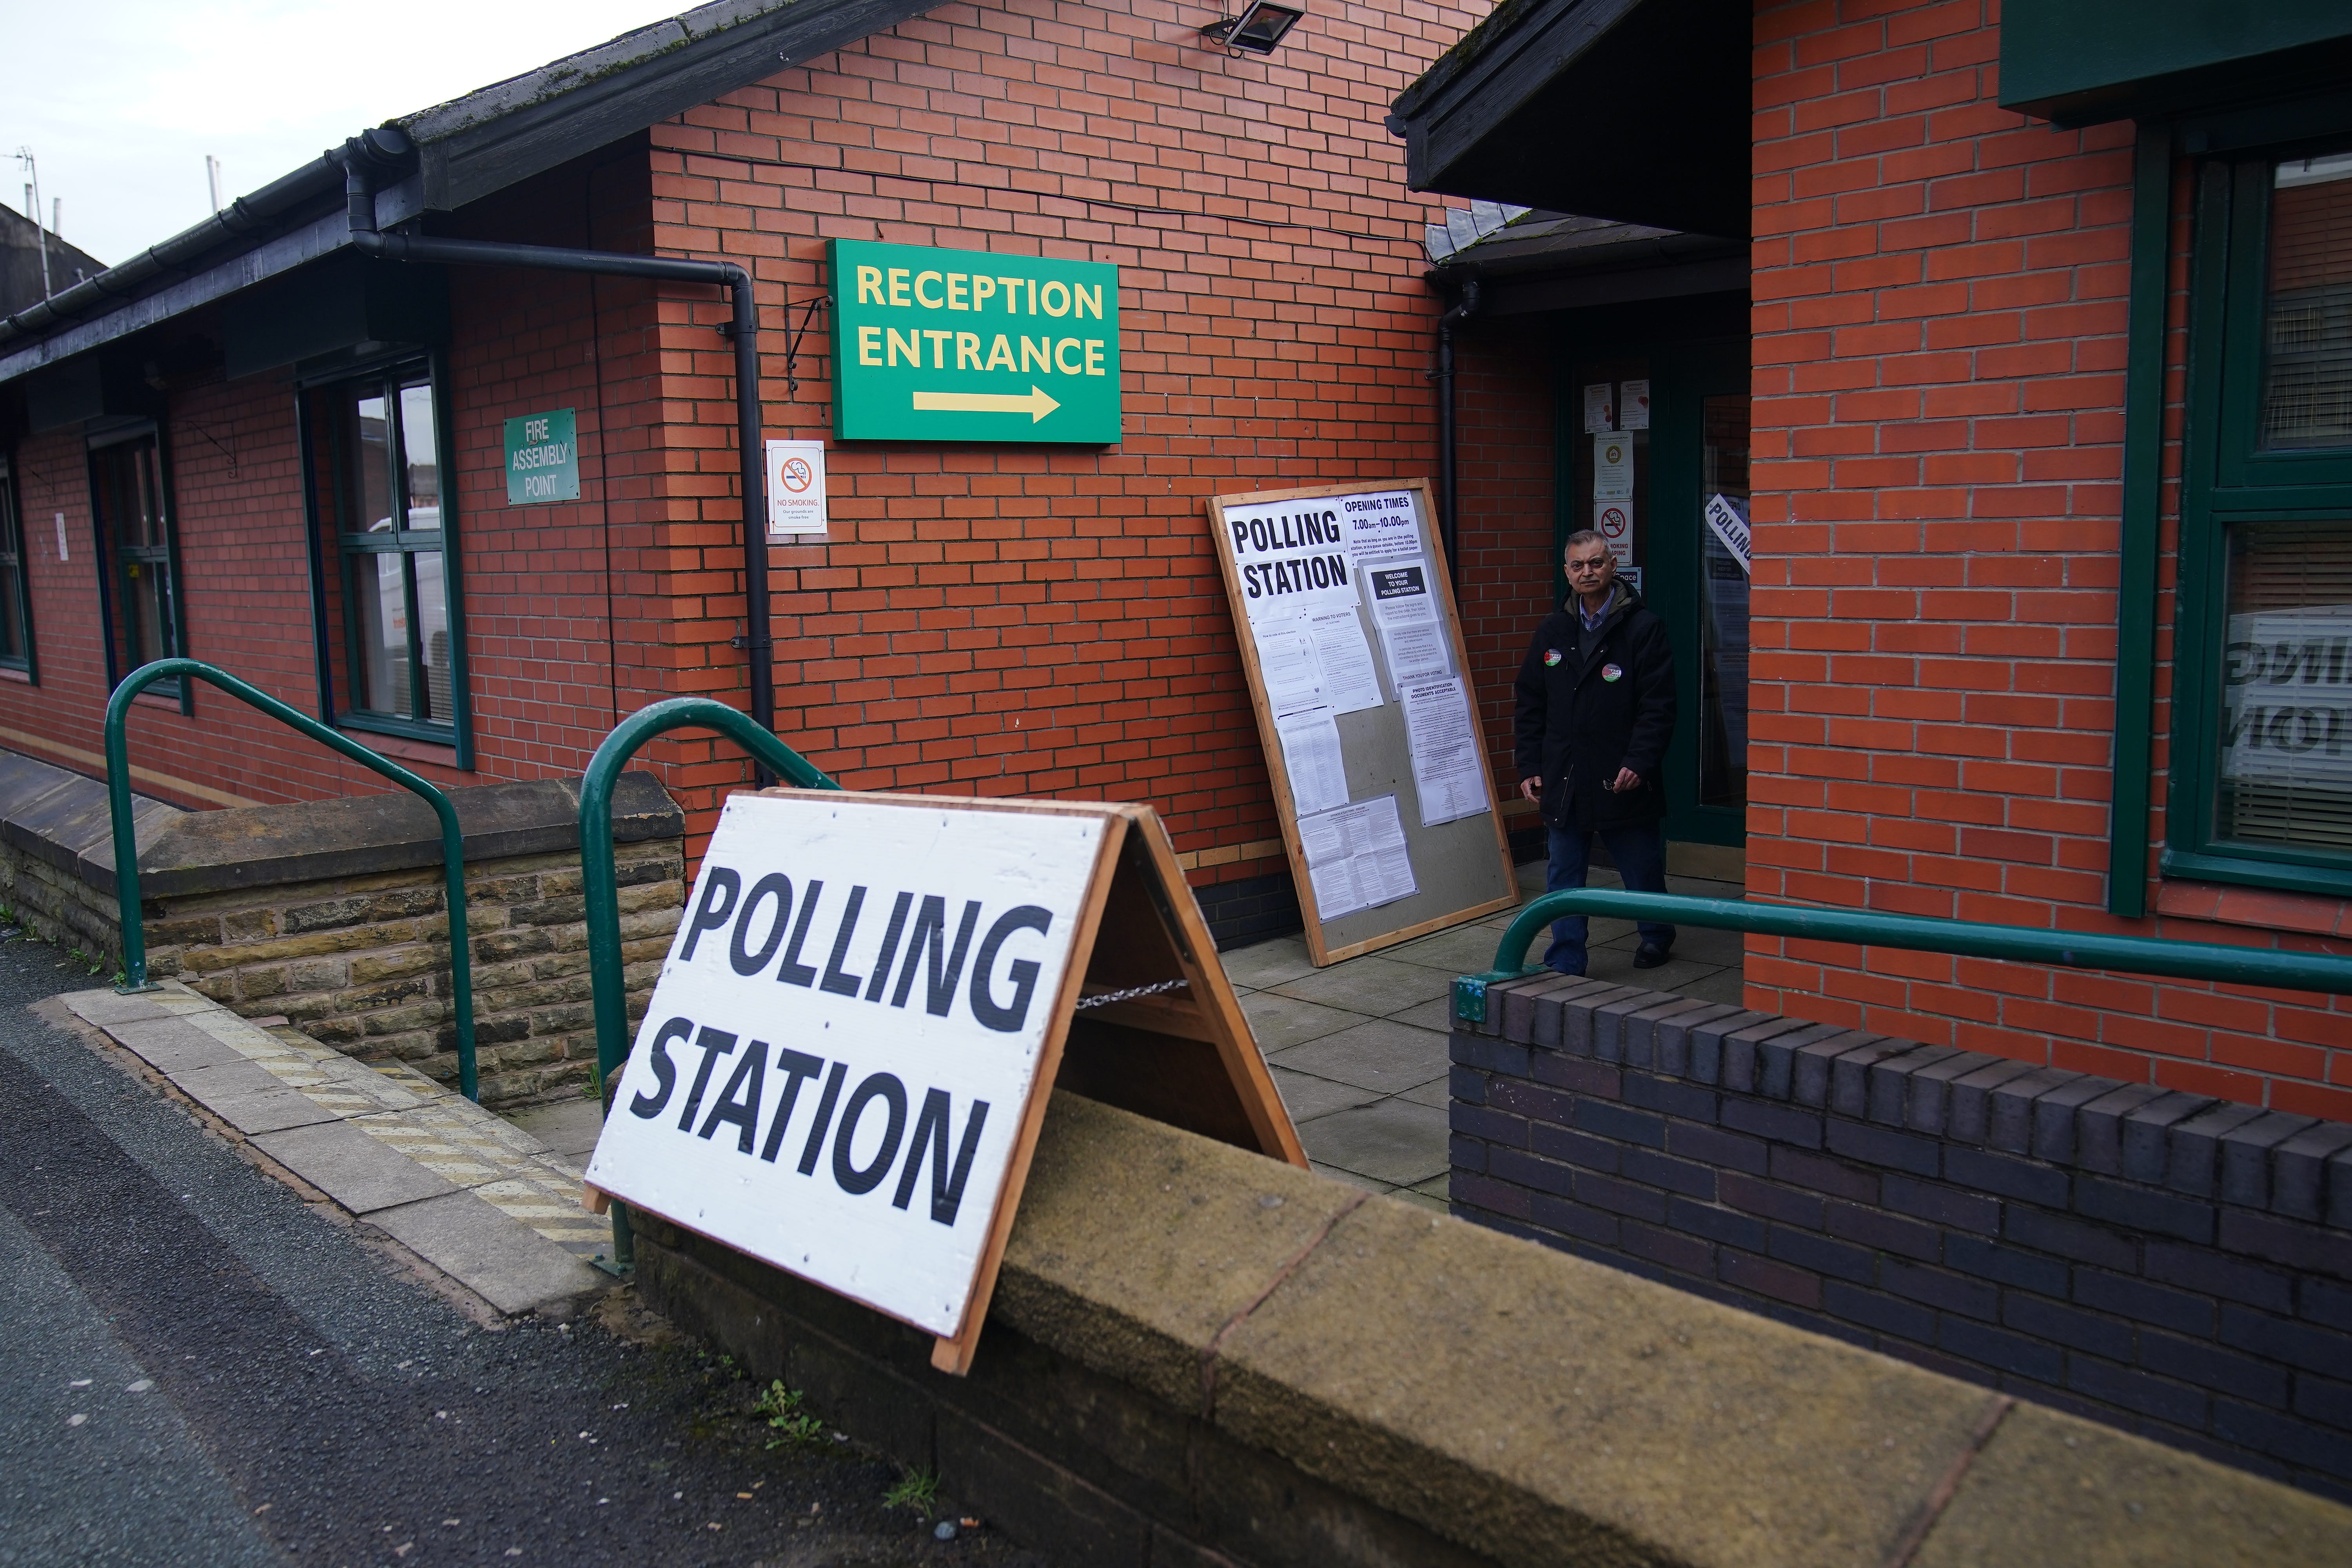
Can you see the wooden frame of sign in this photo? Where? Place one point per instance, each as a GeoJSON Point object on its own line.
{"type": "Point", "coordinates": [1483, 892]}
{"type": "Point", "coordinates": [1180, 1052]}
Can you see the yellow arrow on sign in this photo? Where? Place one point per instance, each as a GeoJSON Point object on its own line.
{"type": "Point", "coordinates": [1034, 402]}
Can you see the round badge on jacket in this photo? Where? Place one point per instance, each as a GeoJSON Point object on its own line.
{"type": "Point", "coordinates": [1612, 671]}
{"type": "Point", "coordinates": [1551, 656]}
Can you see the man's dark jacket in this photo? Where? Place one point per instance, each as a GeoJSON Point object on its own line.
{"type": "Point", "coordinates": [1578, 725]}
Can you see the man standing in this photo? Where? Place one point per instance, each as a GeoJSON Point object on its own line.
{"type": "Point", "coordinates": [1596, 708]}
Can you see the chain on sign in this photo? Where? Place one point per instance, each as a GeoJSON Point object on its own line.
{"type": "Point", "coordinates": [1131, 993]}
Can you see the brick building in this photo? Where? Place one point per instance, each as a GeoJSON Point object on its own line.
{"type": "Point", "coordinates": [196, 444]}
{"type": "Point", "coordinates": [2030, 380]}
{"type": "Point", "coordinates": [1907, 285]}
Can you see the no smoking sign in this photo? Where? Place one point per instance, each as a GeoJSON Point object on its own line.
{"type": "Point", "coordinates": [795, 488]}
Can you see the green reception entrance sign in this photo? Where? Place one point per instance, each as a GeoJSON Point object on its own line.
{"type": "Point", "coordinates": [959, 346]}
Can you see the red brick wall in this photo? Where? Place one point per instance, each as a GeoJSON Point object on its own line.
{"type": "Point", "coordinates": [1047, 621]}
{"type": "Point", "coordinates": [1507, 450]}
{"type": "Point", "coordinates": [1939, 313]}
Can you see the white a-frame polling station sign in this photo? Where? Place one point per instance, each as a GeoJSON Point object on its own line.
{"type": "Point", "coordinates": [848, 1057]}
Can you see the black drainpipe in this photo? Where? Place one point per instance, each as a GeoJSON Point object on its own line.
{"type": "Point", "coordinates": [386, 150]}
{"type": "Point", "coordinates": [1449, 485]}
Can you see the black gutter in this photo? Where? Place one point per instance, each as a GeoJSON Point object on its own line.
{"type": "Point", "coordinates": [386, 150]}
{"type": "Point", "coordinates": [243, 217]}
{"type": "Point", "coordinates": [1449, 487]}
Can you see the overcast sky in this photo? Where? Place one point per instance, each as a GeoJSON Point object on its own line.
{"type": "Point", "coordinates": [121, 100]}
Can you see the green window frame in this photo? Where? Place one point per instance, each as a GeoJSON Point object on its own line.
{"type": "Point", "coordinates": [388, 605]}
{"type": "Point", "coordinates": [143, 610]}
{"type": "Point", "coordinates": [2261, 680]}
{"type": "Point", "coordinates": [16, 646]}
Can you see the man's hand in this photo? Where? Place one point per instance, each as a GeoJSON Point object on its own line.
{"type": "Point", "coordinates": [1626, 779]}
{"type": "Point", "coordinates": [1532, 789]}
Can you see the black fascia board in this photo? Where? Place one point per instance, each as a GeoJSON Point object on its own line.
{"type": "Point", "coordinates": [491, 139]}
{"type": "Point", "coordinates": [1632, 109]}
{"type": "Point", "coordinates": [469, 148]}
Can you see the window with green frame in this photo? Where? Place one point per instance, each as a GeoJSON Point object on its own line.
{"type": "Point", "coordinates": [2261, 788]}
{"type": "Point", "coordinates": [391, 632]}
{"type": "Point", "coordinates": [15, 590]}
{"type": "Point", "coordinates": [138, 555]}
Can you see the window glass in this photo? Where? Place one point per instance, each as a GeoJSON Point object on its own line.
{"type": "Point", "coordinates": [367, 449]}
{"type": "Point", "coordinates": [382, 589]}
{"type": "Point", "coordinates": [2307, 389]}
{"type": "Point", "coordinates": [15, 643]}
{"type": "Point", "coordinates": [134, 523]}
{"type": "Point", "coordinates": [423, 467]}
{"type": "Point", "coordinates": [1723, 625]}
{"type": "Point", "coordinates": [394, 614]}
{"type": "Point", "coordinates": [2285, 774]}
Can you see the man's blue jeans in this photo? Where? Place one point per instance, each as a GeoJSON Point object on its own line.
{"type": "Point", "coordinates": [1639, 851]}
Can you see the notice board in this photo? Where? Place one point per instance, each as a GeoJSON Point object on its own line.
{"type": "Point", "coordinates": [1353, 651]}
{"type": "Point", "coordinates": [845, 1061]}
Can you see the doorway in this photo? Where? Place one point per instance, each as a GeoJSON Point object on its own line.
{"type": "Point", "coordinates": [1649, 489]}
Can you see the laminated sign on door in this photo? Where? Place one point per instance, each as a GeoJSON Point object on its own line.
{"type": "Point", "coordinates": [848, 1056]}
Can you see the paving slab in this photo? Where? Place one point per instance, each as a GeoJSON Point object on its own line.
{"type": "Point", "coordinates": [1393, 1141]}
{"type": "Point", "coordinates": [358, 1172]}
{"type": "Point", "coordinates": [103, 1008]}
{"type": "Point", "coordinates": [1465, 949]}
{"type": "Point", "coordinates": [170, 1044]}
{"type": "Point", "coordinates": [250, 1099]}
{"type": "Point", "coordinates": [1307, 1097]}
{"type": "Point", "coordinates": [1437, 1013]}
{"type": "Point", "coordinates": [1381, 1055]}
{"type": "Point", "coordinates": [1265, 963]}
{"type": "Point", "coordinates": [569, 1128]}
{"type": "Point", "coordinates": [1436, 1092]}
{"type": "Point", "coordinates": [1373, 986]}
{"type": "Point", "coordinates": [1278, 1022]}
{"type": "Point", "coordinates": [508, 1264]}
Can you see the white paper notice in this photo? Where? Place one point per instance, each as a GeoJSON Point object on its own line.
{"type": "Point", "coordinates": [796, 488]}
{"type": "Point", "coordinates": [1597, 411]}
{"type": "Point", "coordinates": [1380, 526]}
{"type": "Point", "coordinates": [1729, 520]}
{"type": "Point", "coordinates": [1416, 652]}
{"type": "Point", "coordinates": [1633, 406]}
{"type": "Point", "coordinates": [1311, 755]}
{"type": "Point", "coordinates": [1612, 468]}
{"type": "Point", "coordinates": [1356, 858]}
{"type": "Point", "coordinates": [1615, 519]}
{"type": "Point", "coordinates": [1291, 556]}
{"type": "Point", "coordinates": [1411, 632]}
{"type": "Point", "coordinates": [1288, 665]}
{"type": "Point", "coordinates": [1351, 683]}
{"type": "Point", "coordinates": [1449, 771]}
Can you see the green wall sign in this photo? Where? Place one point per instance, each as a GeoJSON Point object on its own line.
{"type": "Point", "coordinates": [960, 345]}
{"type": "Point", "coordinates": [543, 458]}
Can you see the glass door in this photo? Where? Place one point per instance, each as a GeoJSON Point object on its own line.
{"type": "Point", "coordinates": [1723, 579]}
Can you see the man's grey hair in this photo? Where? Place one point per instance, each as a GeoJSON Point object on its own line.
{"type": "Point", "coordinates": [1583, 536]}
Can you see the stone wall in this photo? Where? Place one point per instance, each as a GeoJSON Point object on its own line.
{"type": "Point", "coordinates": [2179, 1265]}
{"type": "Point", "coordinates": [333, 913]}
{"type": "Point", "coordinates": [1197, 1357]}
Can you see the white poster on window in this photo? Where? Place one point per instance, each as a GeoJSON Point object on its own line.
{"type": "Point", "coordinates": [1612, 468]}
{"type": "Point", "coordinates": [2286, 702]}
{"type": "Point", "coordinates": [1599, 409]}
{"type": "Point", "coordinates": [832, 1071]}
{"type": "Point", "coordinates": [1633, 406]}
{"type": "Point", "coordinates": [1613, 521]}
{"type": "Point", "coordinates": [1727, 521]}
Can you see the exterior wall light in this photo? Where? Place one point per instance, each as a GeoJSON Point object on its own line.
{"type": "Point", "coordinates": [1259, 27]}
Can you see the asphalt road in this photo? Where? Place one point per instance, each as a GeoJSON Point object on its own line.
{"type": "Point", "coordinates": [201, 1368]}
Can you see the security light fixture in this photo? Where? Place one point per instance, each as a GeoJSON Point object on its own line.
{"type": "Point", "coordinates": [1259, 27]}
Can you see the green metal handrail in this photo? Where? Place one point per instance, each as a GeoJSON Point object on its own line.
{"type": "Point", "coordinates": [1921, 933]}
{"type": "Point", "coordinates": [599, 882]}
{"type": "Point", "coordinates": [126, 840]}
